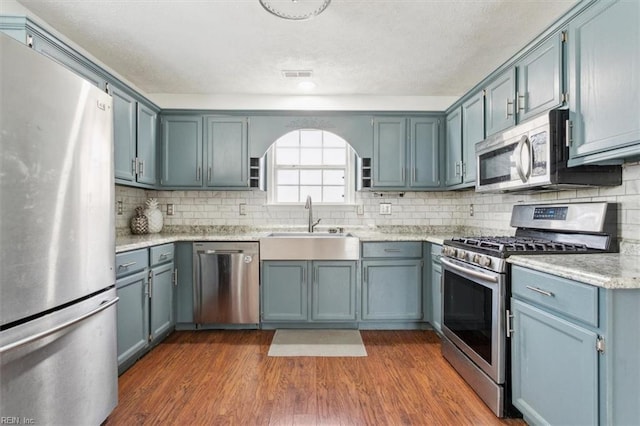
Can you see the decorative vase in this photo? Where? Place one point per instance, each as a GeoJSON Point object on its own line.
{"type": "Point", "coordinates": [154, 216]}
{"type": "Point", "coordinates": [139, 223]}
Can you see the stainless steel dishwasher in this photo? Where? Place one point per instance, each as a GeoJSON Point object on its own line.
{"type": "Point", "coordinates": [226, 283]}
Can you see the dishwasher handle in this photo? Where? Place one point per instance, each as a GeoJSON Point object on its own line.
{"type": "Point", "coordinates": [223, 251]}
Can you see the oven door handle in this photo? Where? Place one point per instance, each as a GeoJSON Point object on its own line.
{"type": "Point", "coordinates": [470, 272]}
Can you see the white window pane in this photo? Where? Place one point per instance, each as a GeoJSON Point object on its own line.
{"type": "Point", "coordinates": [314, 191]}
{"type": "Point", "coordinates": [288, 156]}
{"type": "Point", "coordinates": [311, 138]}
{"type": "Point", "coordinates": [310, 157]}
{"type": "Point", "coordinates": [333, 177]}
{"type": "Point", "coordinates": [335, 157]}
{"type": "Point", "coordinates": [311, 177]}
{"type": "Point", "coordinates": [333, 194]}
{"type": "Point", "coordinates": [287, 177]}
{"type": "Point", "coordinates": [333, 140]}
{"type": "Point", "coordinates": [287, 194]}
{"type": "Point", "coordinates": [290, 139]}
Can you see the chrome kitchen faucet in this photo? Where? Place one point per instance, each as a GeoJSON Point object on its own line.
{"type": "Point", "coordinates": [309, 205]}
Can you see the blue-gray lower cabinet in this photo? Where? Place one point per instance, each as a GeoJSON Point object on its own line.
{"type": "Point", "coordinates": [132, 318]}
{"type": "Point", "coordinates": [145, 281]}
{"type": "Point", "coordinates": [309, 291]}
{"type": "Point", "coordinates": [161, 314]}
{"type": "Point", "coordinates": [574, 351]}
{"type": "Point", "coordinates": [554, 368]}
{"type": "Point", "coordinates": [392, 289]}
{"type": "Point", "coordinates": [334, 291]}
{"type": "Point", "coordinates": [436, 287]}
{"type": "Point", "coordinates": [284, 291]}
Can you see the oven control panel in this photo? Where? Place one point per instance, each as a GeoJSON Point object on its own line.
{"type": "Point", "coordinates": [472, 257]}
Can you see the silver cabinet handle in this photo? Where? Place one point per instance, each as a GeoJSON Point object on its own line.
{"type": "Point", "coordinates": [568, 132]}
{"type": "Point", "coordinates": [390, 250]}
{"type": "Point", "coordinates": [164, 255]}
{"type": "Point", "coordinates": [150, 284]}
{"type": "Point", "coordinates": [403, 172]}
{"type": "Point", "coordinates": [539, 290]}
{"type": "Point", "coordinates": [464, 169]}
{"type": "Point", "coordinates": [509, 103]}
{"type": "Point", "coordinates": [366, 274]}
{"type": "Point", "coordinates": [175, 277]}
{"type": "Point", "coordinates": [134, 166]}
{"type": "Point", "coordinates": [509, 324]}
{"type": "Point", "coordinates": [57, 328]}
{"type": "Point", "coordinates": [126, 265]}
{"type": "Point", "coordinates": [209, 174]}
{"type": "Point", "coordinates": [141, 167]}
{"type": "Point", "coordinates": [520, 102]}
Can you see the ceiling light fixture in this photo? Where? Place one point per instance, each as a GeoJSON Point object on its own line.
{"type": "Point", "coordinates": [295, 10]}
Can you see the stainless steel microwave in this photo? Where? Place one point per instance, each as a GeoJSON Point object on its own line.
{"type": "Point", "coordinates": [533, 156]}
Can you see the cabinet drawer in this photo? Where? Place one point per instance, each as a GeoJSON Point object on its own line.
{"type": "Point", "coordinates": [161, 254]}
{"type": "Point", "coordinates": [569, 298]}
{"type": "Point", "coordinates": [131, 261]}
{"type": "Point", "coordinates": [396, 249]}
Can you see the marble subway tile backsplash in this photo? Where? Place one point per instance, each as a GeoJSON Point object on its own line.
{"type": "Point", "coordinates": [431, 209]}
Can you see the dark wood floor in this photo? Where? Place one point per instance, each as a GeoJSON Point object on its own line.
{"type": "Point", "coordinates": [226, 378]}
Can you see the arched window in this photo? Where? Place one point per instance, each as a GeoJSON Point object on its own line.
{"type": "Point", "coordinates": [311, 162]}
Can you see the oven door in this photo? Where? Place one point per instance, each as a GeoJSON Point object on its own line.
{"type": "Point", "coordinates": [473, 314]}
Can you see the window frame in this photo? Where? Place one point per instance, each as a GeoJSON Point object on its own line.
{"type": "Point", "coordinates": [349, 173]}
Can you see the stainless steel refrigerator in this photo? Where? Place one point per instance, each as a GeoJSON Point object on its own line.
{"type": "Point", "coordinates": [57, 238]}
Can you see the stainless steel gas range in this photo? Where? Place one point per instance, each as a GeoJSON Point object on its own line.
{"type": "Point", "coordinates": [476, 286]}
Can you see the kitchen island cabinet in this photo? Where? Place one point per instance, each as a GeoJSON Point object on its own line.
{"type": "Point", "coordinates": [574, 350]}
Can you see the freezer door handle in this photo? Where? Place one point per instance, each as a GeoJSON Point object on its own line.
{"type": "Point", "coordinates": [104, 305]}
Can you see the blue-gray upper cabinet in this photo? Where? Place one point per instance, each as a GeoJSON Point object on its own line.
{"type": "Point", "coordinates": [500, 99]}
{"type": "Point", "coordinates": [389, 152]}
{"type": "Point", "coordinates": [424, 151]}
{"type": "Point", "coordinates": [227, 152]}
{"type": "Point", "coordinates": [182, 151]}
{"type": "Point", "coordinates": [472, 133]}
{"type": "Point", "coordinates": [124, 133]}
{"type": "Point", "coordinates": [539, 75]}
{"type": "Point", "coordinates": [453, 150]}
{"type": "Point", "coordinates": [406, 153]}
{"type": "Point", "coordinates": [603, 57]}
{"type": "Point", "coordinates": [146, 145]}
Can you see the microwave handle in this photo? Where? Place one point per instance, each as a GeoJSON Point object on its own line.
{"type": "Point", "coordinates": [523, 176]}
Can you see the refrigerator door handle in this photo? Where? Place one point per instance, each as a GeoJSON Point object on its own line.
{"type": "Point", "coordinates": [57, 328]}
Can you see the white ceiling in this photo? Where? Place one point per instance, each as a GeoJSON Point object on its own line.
{"type": "Point", "coordinates": [356, 47]}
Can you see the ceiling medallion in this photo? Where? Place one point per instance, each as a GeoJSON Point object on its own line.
{"type": "Point", "coordinates": [295, 10]}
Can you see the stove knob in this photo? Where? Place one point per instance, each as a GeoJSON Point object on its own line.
{"type": "Point", "coordinates": [475, 258]}
{"type": "Point", "coordinates": [484, 261]}
{"type": "Point", "coordinates": [450, 251]}
{"type": "Point", "coordinates": [461, 254]}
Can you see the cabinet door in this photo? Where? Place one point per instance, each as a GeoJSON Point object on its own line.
{"type": "Point", "coordinates": [146, 145]}
{"type": "Point", "coordinates": [539, 79]}
{"type": "Point", "coordinates": [284, 291]}
{"type": "Point", "coordinates": [227, 152]}
{"type": "Point", "coordinates": [334, 291]}
{"type": "Point", "coordinates": [389, 152]}
{"type": "Point", "coordinates": [392, 290]}
{"type": "Point", "coordinates": [454, 148]}
{"type": "Point", "coordinates": [554, 368]}
{"type": "Point", "coordinates": [424, 153]}
{"type": "Point", "coordinates": [500, 97]}
{"type": "Point", "coordinates": [472, 133]}
{"type": "Point", "coordinates": [603, 61]}
{"type": "Point", "coordinates": [436, 290]}
{"type": "Point", "coordinates": [161, 315]}
{"type": "Point", "coordinates": [124, 134]}
{"type": "Point", "coordinates": [184, 285]}
{"type": "Point", "coordinates": [132, 317]}
{"type": "Point", "coordinates": [182, 151]}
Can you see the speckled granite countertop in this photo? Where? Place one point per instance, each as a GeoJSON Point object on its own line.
{"type": "Point", "coordinates": [610, 270]}
{"type": "Point", "coordinates": [132, 242]}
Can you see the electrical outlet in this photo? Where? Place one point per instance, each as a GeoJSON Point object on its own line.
{"type": "Point", "coordinates": [243, 209]}
{"type": "Point", "coordinates": [170, 210]}
{"type": "Point", "coordinates": [119, 207]}
{"type": "Point", "coordinates": [470, 209]}
{"type": "Point", "coordinates": [385, 208]}
{"type": "Point", "coordinates": [360, 209]}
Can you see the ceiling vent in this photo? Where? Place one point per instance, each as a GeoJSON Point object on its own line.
{"type": "Point", "coordinates": [297, 73]}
